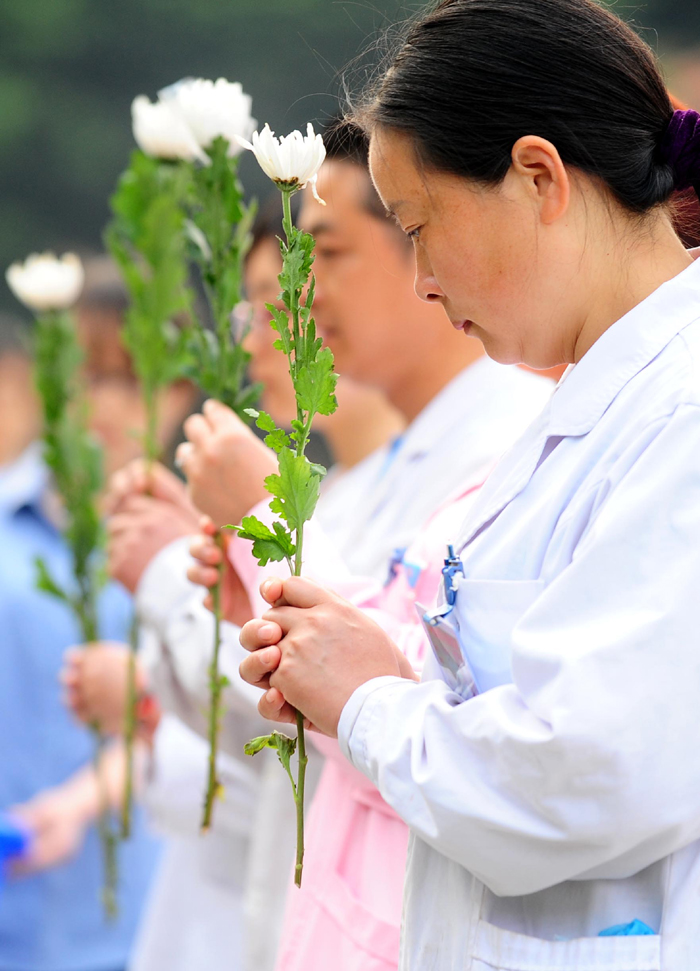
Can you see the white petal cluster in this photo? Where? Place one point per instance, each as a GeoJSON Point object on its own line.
{"type": "Point", "coordinates": [292, 160]}
{"type": "Point", "coordinates": [161, 132]}
{"type": "Point", "coordinates": [45, 282]}
{"type": "Point", "coordinates": [189, 115]}
{"type": "Point", "coordinates": [211, 109]}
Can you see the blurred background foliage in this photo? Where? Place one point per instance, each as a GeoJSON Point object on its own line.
{"type": "Point", "coordinates": [70, 68]}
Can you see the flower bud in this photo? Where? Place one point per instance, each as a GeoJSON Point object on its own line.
{"type": "Point", "coordinates": [44, 282]}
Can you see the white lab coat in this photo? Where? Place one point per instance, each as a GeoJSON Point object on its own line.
{"type": "Point", "coordinates": [566, 799]}
{"type": "Point", "coordinates": [386, 499]}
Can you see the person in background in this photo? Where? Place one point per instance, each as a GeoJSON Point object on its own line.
{"type": "Point", "coordinates": [347, 913]}
{"type": "Point", "coordinates": [51, 916]}
{"type": "Point", "coordinates": [192, 916]}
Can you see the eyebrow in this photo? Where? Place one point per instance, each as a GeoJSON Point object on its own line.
{"type": "Point", "coordinates": [316, 229]}
{"type": "Point", "coordinates": [392, 208]}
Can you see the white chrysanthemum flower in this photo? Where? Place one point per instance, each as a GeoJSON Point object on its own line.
{"type": "Point", "coordinates": [161, 132]}
{"type": "Point", "coordinates": [292, 160]}
{"type": "Point", "coordinates": [45, 282]}
{"type": "Point", "coordinates": [210, 109]}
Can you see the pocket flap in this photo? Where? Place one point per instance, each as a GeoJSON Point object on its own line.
{"type": "Point", "coordinates": [507, 951]}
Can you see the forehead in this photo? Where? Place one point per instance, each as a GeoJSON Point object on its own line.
{"type": "Point", "coordinates": [345, 188]}
{"type": "Point", "coordinates": [394, 170]}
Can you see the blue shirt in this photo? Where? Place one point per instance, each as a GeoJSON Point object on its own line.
{"type": "Point", "coordinates": [53, 921]}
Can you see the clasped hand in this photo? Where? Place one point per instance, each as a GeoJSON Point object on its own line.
{"type": "Point", "coordinates": [311, 651]}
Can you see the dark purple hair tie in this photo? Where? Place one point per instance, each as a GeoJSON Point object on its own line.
{"type": "Point", "coordinates": [680, 148]}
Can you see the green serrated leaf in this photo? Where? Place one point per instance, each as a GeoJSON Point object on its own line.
{"type": "Point", "coordinates": [315, 386]}
{"type": "Point", "coordinates": [283, 745]}
{"type": "Point", "coordinates": [295, 489]}
{"type": "Point", "coordinates": [269, 545]}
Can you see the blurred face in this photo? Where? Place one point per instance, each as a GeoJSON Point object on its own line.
{"type": "Point", "coordinates": [365, 308]}
{"type": "Point", "coordinates": [117, 413]}
{"type": "Point", "coordinates": [268, 365]}
{"type": "Point", "coordinates": [504, 263]}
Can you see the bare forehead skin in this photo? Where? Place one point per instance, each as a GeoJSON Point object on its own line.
{"type": "Point", "coordinates": [347, 191]}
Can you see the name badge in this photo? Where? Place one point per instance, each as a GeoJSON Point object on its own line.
{"type": "Point", "coordinates": [442, 634]}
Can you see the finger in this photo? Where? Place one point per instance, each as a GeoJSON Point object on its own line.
{"type": "Point", "coordinates": [257, 668]}
{"type": "Point", "coordinates": [271, 591]}
{"type": "Point", "coordinates": [259, 633]}
{"type": "Point", "coordinates": [165, 485]}
{"type": "Point", "coordinates": [285, 617]}
{"type": "Point", "coordinates": [300, 592]}
{"type": "Point", "coordinates": [184, 455]}
{"type": "Point", "coordinates": [203, 576]}
{"type": "Point", "coordinates": [197, 430]}
{"type": "Point", "coordinates": [207, 526]}
{"type": "Point", "coordinates": [273, 707]}
{"type": "Point", "coordinates": [204, 549]}
{"type": "Point", "coordinates": [220, 416]}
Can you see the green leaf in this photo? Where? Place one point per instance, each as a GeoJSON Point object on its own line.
{"type": "Point", "coordinates": [269, 545]}
{"type": "Point", "coordinates": [283, 745]}
{"type": "Point", "coordinates": [295, 489]}
{"type": "Point", "coordinates": [46, 583]}
{"type": "Point", "coordinates": [315, 385]}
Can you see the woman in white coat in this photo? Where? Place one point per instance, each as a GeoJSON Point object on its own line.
{"type": "Point", "coordinates": [548, 763]}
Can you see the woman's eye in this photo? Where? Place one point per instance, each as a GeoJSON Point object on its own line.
{"type": "Point", "coordinates": [414, 233]}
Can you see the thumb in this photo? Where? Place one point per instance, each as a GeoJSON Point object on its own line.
{"type": "Point", "coordinates": [300, 592]}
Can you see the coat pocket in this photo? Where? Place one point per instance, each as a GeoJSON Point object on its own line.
{"type": "Point", "coordinates": [487, 612]}
{"type": "Point", "coordinates": [498, 950]}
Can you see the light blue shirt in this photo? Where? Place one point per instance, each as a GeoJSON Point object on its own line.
{"type": "Point", "coordinates": [53, 921]}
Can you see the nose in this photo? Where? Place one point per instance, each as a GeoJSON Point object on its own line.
{"type": "Point", "coordinates": [426, 286]}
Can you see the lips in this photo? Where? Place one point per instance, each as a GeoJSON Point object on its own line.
{"type": "Point", "coordinates": [464, 325]}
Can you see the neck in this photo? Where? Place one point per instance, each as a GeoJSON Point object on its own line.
{"type": "Point", "coordinates": [627, 276]}
{"type": "Point", "coordinates": [442, 361]}
{"type": "Point", "coordinates": [363, 423]}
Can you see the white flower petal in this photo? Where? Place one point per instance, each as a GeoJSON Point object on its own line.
{"type": "Point", "coordinates": [44, 282]}
{"type": "Point", "coordinates": [161, 132]}
{"type": "Point", "coordinates": [293, 159]}
{"type": "Point", "coordinates": [211, 109]}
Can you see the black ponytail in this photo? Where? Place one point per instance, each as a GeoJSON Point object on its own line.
{"type": "Point", "coordinates": [473, 76]}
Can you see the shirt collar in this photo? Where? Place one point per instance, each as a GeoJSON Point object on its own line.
{"type": "Point", "coordinates": [24, 481]}
{"type": "Point", "coordinates": [625, 349]}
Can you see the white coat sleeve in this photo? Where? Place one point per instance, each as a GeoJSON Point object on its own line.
{"type": "Point", "coordinates": [587, 765]}
{"type": "Point", "coordinates": [178, 646]}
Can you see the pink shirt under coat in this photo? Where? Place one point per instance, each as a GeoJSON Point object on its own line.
{"type": "Point", "coordinates": [347, 914]}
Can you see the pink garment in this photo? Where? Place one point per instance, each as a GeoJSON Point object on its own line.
{"type": "Point", "coordinates": [347, 914]}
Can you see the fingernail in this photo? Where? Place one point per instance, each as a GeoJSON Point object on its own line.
{"type": "Point", "coordinates": [267, 630]}
{"type": "Point", "coordinates": [268, 656]}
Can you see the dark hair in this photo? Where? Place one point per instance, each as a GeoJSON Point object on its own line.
{"type": "Point", "coordinates": [473, 76]}
{"type": "Point", "coordinates": [346, 141]}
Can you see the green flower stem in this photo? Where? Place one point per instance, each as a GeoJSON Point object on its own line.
{"type": "Point", "coordinates": [299, 542]}
{"type": "Point", "coordinates": [216, 686]}
{"type": "Point", "coordinates": [129, 731]}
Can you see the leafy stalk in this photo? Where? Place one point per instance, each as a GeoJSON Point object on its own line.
{"type": "Point", "coordinates": [75, 461]}
{"type": "Point", "coordinates": [146, 238]}
{"type": "Point", "coordinates": [295, 489]}
{"type": "Point", "coordinates": [219, 226]}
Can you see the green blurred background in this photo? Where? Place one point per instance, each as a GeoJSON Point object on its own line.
{"type": "Point", "coordinates": [70, 68]}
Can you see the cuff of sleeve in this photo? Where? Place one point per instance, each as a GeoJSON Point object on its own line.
{"type": "Point", "coordinates": [164, 583]}
{"type": "Point", "coordinates": [356, 717]}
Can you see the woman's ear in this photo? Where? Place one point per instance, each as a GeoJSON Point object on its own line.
{"type": "Point", "coordinates": [537, 163]}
